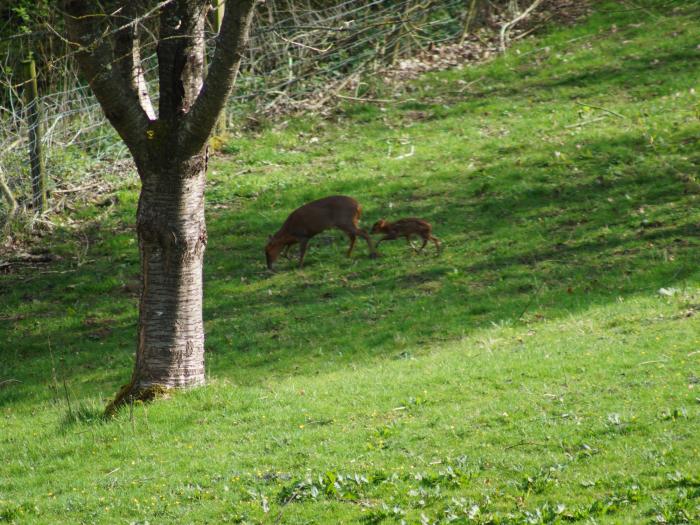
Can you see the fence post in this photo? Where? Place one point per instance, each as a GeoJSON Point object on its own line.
{"type": "Point", "coordinates": [218, 19]}
{"type": "Point", "coordinates": [36, 157]}
{"type": "Point", "coordinates": [468, 19]}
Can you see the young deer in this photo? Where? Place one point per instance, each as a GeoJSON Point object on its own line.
{"type": "Point", "coordinates": [311, 219]}
{"type": "Point", "coordinates": [406, 228]}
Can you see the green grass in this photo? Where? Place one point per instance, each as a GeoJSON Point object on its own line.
{"type": "Point", "coordinates": [532, 373]}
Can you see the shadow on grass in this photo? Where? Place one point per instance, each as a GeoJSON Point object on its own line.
{"type": "Point", "coordinates": [500, 259]}
{"type": "Point", "coordinates": [585, 255]}
{"type": "Point", "coordinates": [523, 236]}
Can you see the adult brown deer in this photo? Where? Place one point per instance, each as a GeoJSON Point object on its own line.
{"type": "Point", "coordinates": [311, 219]}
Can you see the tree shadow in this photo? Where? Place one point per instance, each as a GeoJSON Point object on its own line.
{"type": "Point", "coordinates": [592, 251]}
{"type": "Point", "coordinates": [522, 242]}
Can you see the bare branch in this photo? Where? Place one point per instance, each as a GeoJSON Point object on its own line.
{"type": "Point", "coordinates": [610, 111]}
{"type": "Point", "coordinates": [115, 91]}
{"type": "Point", "coordinates": [230, 44]}
{"type": "Point", "coordinates": [128, 54]}
{"type": "Point", "coordinates": [7, 193]}
{"type": "Point", "coordinates": [509, 25]}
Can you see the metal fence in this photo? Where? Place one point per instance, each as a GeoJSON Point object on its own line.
{"type": "Point", "coordinates": [299, 57]}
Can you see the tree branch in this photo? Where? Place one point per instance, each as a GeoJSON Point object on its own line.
{"type": "Point", "coordinates": [7, 192]}
{"type": "Point", "coordinates": [115, 91]}
{"type": "Point", "coordinates": [509, 25]}
{"type": "Point", "coordinates": [224, 67]}
{"type": "Point", "coordinates": [128, 54]}
{"type": "Point", "coordinates": [180, 56]}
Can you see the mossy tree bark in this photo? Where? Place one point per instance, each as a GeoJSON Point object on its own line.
{"type": "Point", "coordinates": [170, 152]}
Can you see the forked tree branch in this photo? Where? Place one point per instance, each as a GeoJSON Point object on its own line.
{"type": "Point", "coordinates": [230, 43]}
{"type": "Point", "coordinates": [115, 90]}
{"type": "Point", "coordinates": [180, 57]}
{"type": "Point", "coordinates": [509, 25]}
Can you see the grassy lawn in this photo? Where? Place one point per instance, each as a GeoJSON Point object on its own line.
{"type": "Point", "coordinates": [544, 368]}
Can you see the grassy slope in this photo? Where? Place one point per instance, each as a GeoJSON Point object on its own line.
{"type": "Point", "coordinates": [531, 372]}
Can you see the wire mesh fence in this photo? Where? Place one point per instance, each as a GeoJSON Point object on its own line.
{"type": "Point", "coordinates": [300, 54]}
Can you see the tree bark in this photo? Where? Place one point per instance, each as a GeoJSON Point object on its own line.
{"type": "Point", "coordinates": [170, 153]}
{"type": "Point", "coordinates": [172, 238]}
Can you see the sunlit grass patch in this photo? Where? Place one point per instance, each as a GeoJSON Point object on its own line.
{"type": "Point", "coordinates": [542, 369]}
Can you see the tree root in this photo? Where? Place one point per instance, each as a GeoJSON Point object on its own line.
{"type": "Point", "coordinates": [128, 394]}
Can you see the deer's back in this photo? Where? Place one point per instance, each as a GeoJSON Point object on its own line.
{"type": "Point", "coordinates": [321, 214]}
{"type": "Point", "coordinates": [411, 225]}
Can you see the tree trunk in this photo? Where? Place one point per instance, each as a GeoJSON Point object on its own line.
{"type": "Point", "coordinates": [171, 157]}
{"type": "Point", "coordinates": [172, 237]}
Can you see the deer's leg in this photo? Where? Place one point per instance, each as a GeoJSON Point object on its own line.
{"type": "Point", "coordinates": [287, 247]}
{"type": "Point", "coordinates": [352, 238]}
{"type": "Point", "coordinates": [362, 233]}
{"type": "Point", "coordinates": [303, 244]}
{"type": "Point", "coordinates": [387, 237]}
{"type": "Point", "coordinates": [356, 230]}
